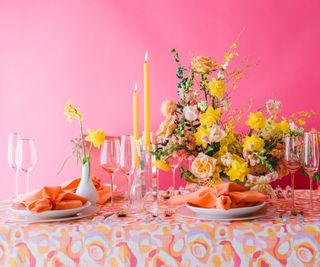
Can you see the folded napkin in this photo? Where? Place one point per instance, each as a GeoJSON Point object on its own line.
{"type": "Point", "coordinates": [51, 198]}
{"type": "Point", "coordinates": [223, 196]}
{"type": "Point", "coordinates": [104, 191]}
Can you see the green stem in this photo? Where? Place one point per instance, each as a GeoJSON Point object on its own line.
{"type": "Point", "coordinates": [84, 159]}
{"type": "Point", "coordinates": [192, 127]}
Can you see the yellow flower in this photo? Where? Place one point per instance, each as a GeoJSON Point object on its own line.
{"type": "Point", "coordinates": [283, 126]}
{"type": "Point", "coordinates": [239, 170]}
{"type": "Point", "coordinates": [71, 112]}
{"type": "Point", "coordinates": [202, 136]}
{"type": "Point", "coordinates": [162, 165]}
{"type": "Point", "coordinates": [256, 121]}
{"type": "Point", "coordinates": [217, 88]}
{"type": "Point", "coordinates": [203, 64]}
{"type": "Point", "coordinates": [96, 137]}
{"type": "Point", "coordinates": [210, 117]}
{"type": "Point", "coordinates": [253, 143]}
{"type": "Point", "coordinates": [301, 121]}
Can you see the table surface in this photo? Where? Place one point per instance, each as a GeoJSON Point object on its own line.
{"type": "Point", "coordinates": [140, 240]}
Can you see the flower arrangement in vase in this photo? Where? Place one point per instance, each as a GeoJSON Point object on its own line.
{"type": "Point", "coordinates": [95, 138]}
{"type": "Point", "coordinates": [200, 127]}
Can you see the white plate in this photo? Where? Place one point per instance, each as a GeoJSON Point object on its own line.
{"type": "Point", "coordinates": [230, 213]}
{"type": "Point", "coordinates": [50, 214]}
{"type": "Point", "coordinates": [187, 213]}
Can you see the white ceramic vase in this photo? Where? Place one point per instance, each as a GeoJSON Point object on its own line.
{"type": "Point", "coordinates": [86, 187]}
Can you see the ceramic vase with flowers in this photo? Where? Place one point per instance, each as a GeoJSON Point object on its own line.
{"type": "Point", "coordinates": [96, 138]}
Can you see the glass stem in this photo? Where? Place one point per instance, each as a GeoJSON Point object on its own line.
{"type": "Point", "coordinates": [311, 189]}
{"type": "Point", "coordinates": [28, 181]}
{"type": "Point", "coordinates": [292, 188]}
{"type": "Point", "coordinates": [111, 200]}
{"type": "Point", "coordinates": [17, 183]}
{"type": "Point", "coordinates": [173, 180]}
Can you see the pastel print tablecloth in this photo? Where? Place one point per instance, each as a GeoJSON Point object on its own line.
{"type": "Point", "coordinates": [174, 241]}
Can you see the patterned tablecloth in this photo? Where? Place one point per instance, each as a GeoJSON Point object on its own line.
{"type": "Point", "coordinates": [175, 241]}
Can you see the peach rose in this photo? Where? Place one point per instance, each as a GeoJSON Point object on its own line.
{"type": "Point", "coordinates": [203, 64]}
{"type": "Point", "coordinates": [167, 127]}
{"type": "Point", "coordinates": [168, 107]}
{"type": "Point", "coordinates": [203, 166]}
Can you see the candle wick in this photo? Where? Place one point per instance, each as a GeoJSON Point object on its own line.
{"type": "Point", "coordinates": [135, 86]}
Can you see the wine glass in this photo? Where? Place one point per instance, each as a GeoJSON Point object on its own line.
{"type": "Point", "coordinates": [311, 158]}
{"type": "Point", "coordinates": [26, 156]}
{"type": "Point", "coordinates": [12, 145]}
{"type": "Point", "coordinates": [110, 159]}
{"type": "Point", "coordinates": [127, 157]}
{"type": "Point", "coordinates": [174, 163]}
{"type": "Point", "coordinates": [292, 158]}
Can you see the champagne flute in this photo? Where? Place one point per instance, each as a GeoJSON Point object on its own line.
{"type": "Point", "coordinates": [12, 147]}
{"type": "Point", "coordinates": [174, 163]}
{"type": "Point", "coordinates": [292, 158]}
{"type": "Point", "coordinates": [127, 158]}
{"type": "Point", "coordinates": [110, 159]}
{"type": "Point", "coordinates": [26, 156]}
{"type": "Point", "coordinates": [311, 158]}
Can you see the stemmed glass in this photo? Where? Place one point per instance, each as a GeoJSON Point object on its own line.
{"type": "Point", "coordinates": [174, 163]}
{"type": "Point", "coordinates": [26, 156]}
{"type": "Point", "coordinates": [110, 159]}
{"type": "Point", "coordinates": [311, 158]}
{"type": "Point", "coordinates": [127, 158]}
{"type": "Point", "coordinates": [292, 158]}
{"type": "Point", "coordinates": [12, 144]}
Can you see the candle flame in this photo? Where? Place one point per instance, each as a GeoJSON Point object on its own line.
{"type": "Point", "coordinates": [136, 86]}
{"type": "Point", "coordinates": [146, 57]}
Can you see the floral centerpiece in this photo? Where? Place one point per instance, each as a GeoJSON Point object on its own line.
{"type": "Point", "coordinates": [95, 138]}
{"type": "Point", "coordinates": [200, 127]}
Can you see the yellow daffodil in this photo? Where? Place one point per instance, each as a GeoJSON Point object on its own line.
{"type": "Point", "coordinates": [210, 117]}
{"type": "Point", "coordinates": [71, 112]}
{"type": "Point", "coordinates": [162, 165]}
{"type": "Point", "coordinates": [256, 121]}
{"type": "Point", "coordinates": [202, 136]}
{"type": "Point", "coordinates": [253, 143]}
{"type": "Point", "coordinates": [96, 137]}
{"type": "Point", "coordinates": [238, 171]}
{"type": "Point", "coordinates": [283, 126]}
{"type": "Point", "coordinates": [217, 88]}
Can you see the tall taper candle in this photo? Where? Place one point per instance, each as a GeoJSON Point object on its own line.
{"type": "Point", "coordinates": [146, 103]}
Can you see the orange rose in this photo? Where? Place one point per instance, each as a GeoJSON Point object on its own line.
{"type": "Point", "coordinates": [203, 64]}
{"type": "Point", "coordinates": [203, 166]}
{"type": "Point", "coordinates": [168, 107]}
{"type": "Point", "coordinates": [167, 127]}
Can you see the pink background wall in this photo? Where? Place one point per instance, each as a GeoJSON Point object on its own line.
{"type": "Point", "coordinates": [92, 52]}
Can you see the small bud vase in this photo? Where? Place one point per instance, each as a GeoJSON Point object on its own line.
{"type": "Point", "coordinates": [86, 187]}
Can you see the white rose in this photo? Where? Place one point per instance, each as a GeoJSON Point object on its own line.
{"type": "Point", "coordinates": [226, 159]}
{"type": "Point", "coordinates": [203, 166]}
{"type": "Point", "coordinates": [202, 106]}
{"type": "Point", "coordinates": [190, 113]}
{"type": "Point", "coordinates": [216, 134]}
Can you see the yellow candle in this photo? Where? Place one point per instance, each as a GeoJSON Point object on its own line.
{"type": "Point", "coordinates": [146, 103]}
{"type": "Point", "coordinates": [135, 114]}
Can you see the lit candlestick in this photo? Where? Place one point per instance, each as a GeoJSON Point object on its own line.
{"type": "Point", "coordinates": [146, 103]}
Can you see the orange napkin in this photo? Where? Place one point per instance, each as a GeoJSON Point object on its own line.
{"type": "Point", "coordinates": [51, 198]}
{"type": "Point", "coordinates": [223, 196]}
{"type": "Point", "coordinates": [104, 191]}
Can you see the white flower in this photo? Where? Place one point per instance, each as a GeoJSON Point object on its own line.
{"type": "Point", "coordinates": [273, 106]}
{"type": "Point", "coordinates": [203, 166]}
{"type": "Point", "coordinates": [220, 75]}
{"type": "Point", "coordinates": [190, 113]}
{"type": "Point", "coordinates": [216, 134]}
{"type": "Point", "coordinates": [202, 106]}
{"type": "Point", "coordinates": [226, 159]}
{"type": "Point", "coordinates": [225, 104]}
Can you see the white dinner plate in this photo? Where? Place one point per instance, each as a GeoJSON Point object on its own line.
{"type": "Point", "coordinates": [50, 214]}
{"type": "Point", "coordinates": [187, 213]}
{"type": "Point", "coordinates": [230, 213]}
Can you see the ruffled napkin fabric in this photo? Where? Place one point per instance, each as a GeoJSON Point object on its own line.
{"type": "Point", "coordinates": [61, 197]}
{"type": "Point", "coordinates": [51, 198]}
{"type": "Point", "coordinates": [223, 196]}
